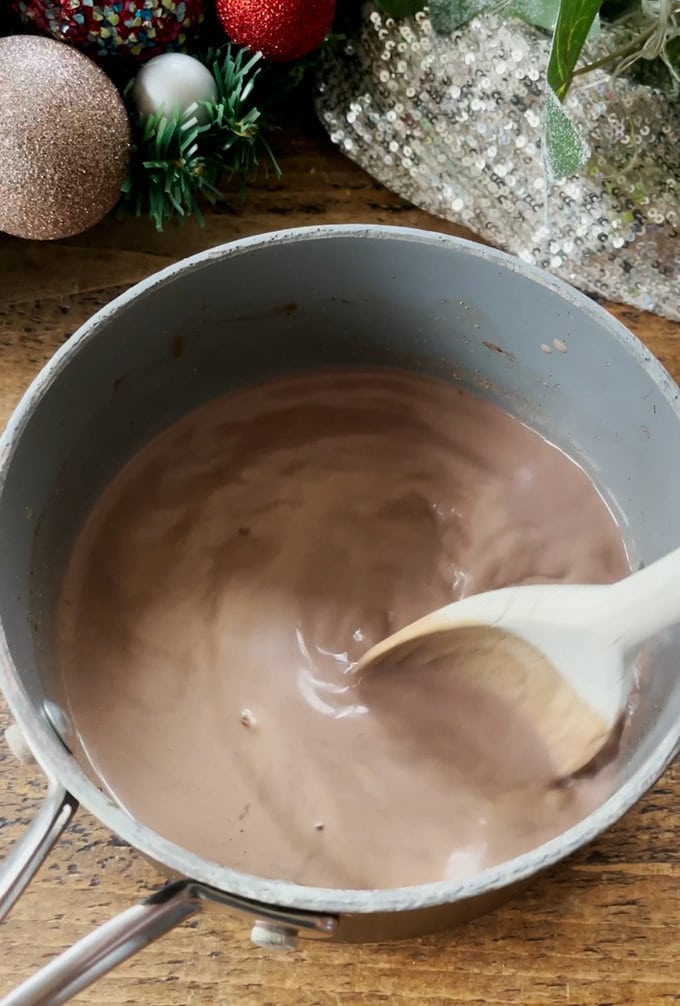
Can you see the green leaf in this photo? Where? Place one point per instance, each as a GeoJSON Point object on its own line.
{"type": "Point", "coordinates": [540, 13]}
{"type": "Point", "coordinates": [449, 15]}
{"type": "Point", "coordinates": [564, 149]}
{"type": "Point", "coordinates": [400, 8]}
{"type": "Point", "coordinates": [574, 22]}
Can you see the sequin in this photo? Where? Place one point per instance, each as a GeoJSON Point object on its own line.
{"type": "Point", "coordinates": [454, 126]}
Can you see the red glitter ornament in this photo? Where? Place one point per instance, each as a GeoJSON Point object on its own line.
{"type": "Point", "coordinates": [282, 30]}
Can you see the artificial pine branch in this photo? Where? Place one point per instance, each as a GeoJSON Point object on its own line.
{"type": "Point", "coordinates": [177, 163]}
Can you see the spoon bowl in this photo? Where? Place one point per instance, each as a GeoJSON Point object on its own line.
{"type": "Point", "coordinates": [563, 654]}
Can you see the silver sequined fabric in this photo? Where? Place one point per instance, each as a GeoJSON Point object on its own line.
{"type": "Point", "coordinates": [453, 124]}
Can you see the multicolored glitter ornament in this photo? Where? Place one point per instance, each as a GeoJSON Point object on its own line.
{"type": "Point", "coordinates": [64, 142]}
{"type": "Point", "coordinates": [282, 30]}
{"type": "Point", "coordinates": [453, 124]}
{"type": "Point", "coordinates": [138, 29]}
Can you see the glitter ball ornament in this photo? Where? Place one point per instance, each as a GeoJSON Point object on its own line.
{"type": "Point", "coordinates": [282, 30]}
{"type": "Point", "coordinates": [173, 83]}
{"type": "Point", "coordinates": [64, 143]}
{"type": "Point", "coordinates": [138, 29]}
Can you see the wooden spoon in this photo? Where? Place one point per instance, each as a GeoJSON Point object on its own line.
{"type": "Point", "coordinates": [564, 655]}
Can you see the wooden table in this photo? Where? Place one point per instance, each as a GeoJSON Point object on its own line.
{"type": "Point", "coordinates": [602, 929]}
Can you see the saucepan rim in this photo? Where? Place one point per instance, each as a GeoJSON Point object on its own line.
{"type": "Point", "coordinates": [55, 759]}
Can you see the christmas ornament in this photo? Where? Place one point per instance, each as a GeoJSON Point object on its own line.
{"type": "Point", "coordinates": [173, 84]}
{"type": "Point", "coordinates": [137, 29]}
{"type": "Point", "coordinates": [179, 163]}
{"type": "Point", "coordinates": [282, 30]}
{"type": "Point", "coordinates": [453, 124]}
{"type": "Point", "coordinates": [64, 143]}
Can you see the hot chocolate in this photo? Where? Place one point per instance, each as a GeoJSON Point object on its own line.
{"type": "Point", "coordinates": [230, 575]}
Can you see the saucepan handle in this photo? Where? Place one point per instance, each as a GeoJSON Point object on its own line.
{"type": "Point", "coordinates": [132, 930]}
{"type": "Point", "coordinates": [23, 862]}
{"type": "Point", "coordinates": [106, 948]}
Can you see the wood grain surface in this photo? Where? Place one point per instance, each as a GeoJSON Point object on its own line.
{"type": "Point", "coordinates": [603, 929]}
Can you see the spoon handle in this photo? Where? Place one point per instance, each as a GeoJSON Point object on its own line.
{"type": "Point", "coordinates": [645, 602]}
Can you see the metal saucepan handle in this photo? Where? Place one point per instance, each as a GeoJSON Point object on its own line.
{"type": "Point", "coordinates": [105, 948]}
{"type": "Point", "coordinates": [132, 930]}
{"type": "Point", "coordinates": [23, 862]}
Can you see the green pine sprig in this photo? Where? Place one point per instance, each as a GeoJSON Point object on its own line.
{"type": "Point", "coordinates": [177, 163]}
{"type": "Point", "coordinates": [235, 134]}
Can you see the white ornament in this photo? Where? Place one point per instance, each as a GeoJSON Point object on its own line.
{"type": "Point", "coordinates": [174, 82]}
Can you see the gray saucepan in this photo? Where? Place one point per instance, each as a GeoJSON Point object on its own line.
{"type": "Point", "coordinates": [283, 302]}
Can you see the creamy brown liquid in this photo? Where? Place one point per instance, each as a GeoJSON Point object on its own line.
{"type": "Point", "coordinates": [232, 572]}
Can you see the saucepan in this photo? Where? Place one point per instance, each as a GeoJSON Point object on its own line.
{"type": "Point", "coordinates": [284, 302]}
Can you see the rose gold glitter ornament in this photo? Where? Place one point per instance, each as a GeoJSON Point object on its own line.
{"type": "Point", "coordinates": [64, 143]}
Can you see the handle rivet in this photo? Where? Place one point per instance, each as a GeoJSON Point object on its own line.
{"type": "Point", "coordinates": [16, 742]}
